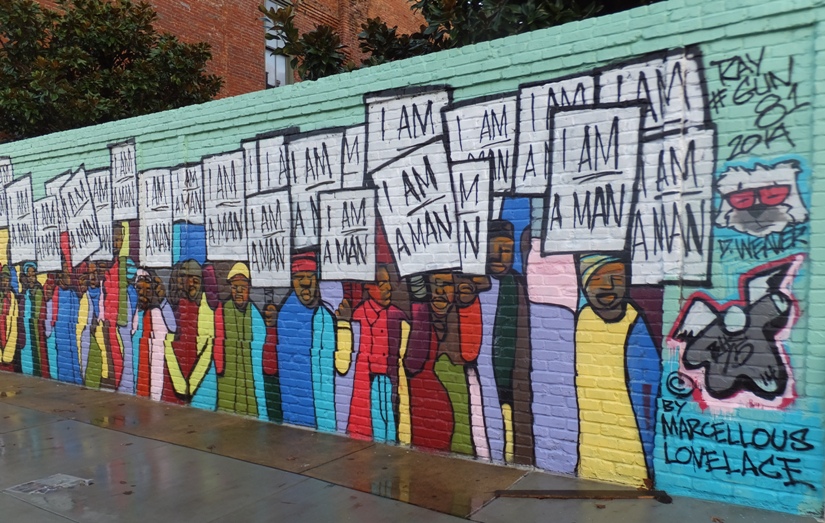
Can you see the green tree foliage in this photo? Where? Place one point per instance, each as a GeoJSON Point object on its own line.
{"type": "Point", "coordinates": [89, 62]}
{"type": "Point", "coordinates": [449, 23]}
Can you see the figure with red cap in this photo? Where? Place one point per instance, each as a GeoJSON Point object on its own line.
{"type": "Point", "coordinates": [306, 350]}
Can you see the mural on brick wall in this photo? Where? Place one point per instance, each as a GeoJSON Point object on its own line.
{"type": "Point", "coordinates": [485, 277]}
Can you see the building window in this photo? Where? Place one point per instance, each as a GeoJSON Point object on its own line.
{"type": "Point", "coordinates": [278, 72]}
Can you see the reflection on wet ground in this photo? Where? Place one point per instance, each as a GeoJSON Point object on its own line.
{"type": "Point", "coordinates": [150, 461]}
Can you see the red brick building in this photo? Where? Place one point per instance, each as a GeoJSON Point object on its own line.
{"type": "Point", "coordinates": [235, 30]}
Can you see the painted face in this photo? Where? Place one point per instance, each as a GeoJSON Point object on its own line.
{"type": "Point", "coordinates": [240, 291]}
{"type": "Point", "coordinates": [63, 280]}
{"type": "Point", "coordinates": [144, 290]}
{"type": "Point", "coordinates": [193, 286]}
{"type": "Point", "coordinates": [468, 288]}
{"type": "Point", "coordinates": [381, 291]}
{"type": "Point", "coordinates": [443, 293]}
{"type": "Point", "coordinates": [500, 255]}
{"type": "Point", "coordinates": [305, 285]}
{"type": "Point", "coordinates": [48, 287]}
{"type": "Point", "coordinates": [606, 290]}
{"type": "Point", "coordinates": [270, 315]}
{"type": "Point", "coordinates": [93, 276]}
{"type": "Point", "coordinates": [117, 239]}
{"type": "Point", "coordinates": [31, 277]}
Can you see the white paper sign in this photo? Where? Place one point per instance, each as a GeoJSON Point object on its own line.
{"type": "Point", "coordinates": [81, 219]}
{"type": "Point", "coordinates": [472, 186]}
{"type": "Point", "coordinates": [20, 211]}
{"type": "Point", "coordinates": [486, 129]}
{"type": "Point", "coordinates": [348, 235]}
{"type": "Point", "coordinates": [53, 189]}
{"type": "Point", "coordinates": [315, 166]}
{"type": "Point", "coordinates": [123, 166]}
{"type": "Point", "coordinates": [398, 123]}
{"type": "Point", "coordinates": [273, 163]}
{"type": "Point", "coordinates": [187, 194]}
{"type": "Point", "coordinates": [268, 227]}
{"type": "Point", "coordinates": [100, 181]}
{"type": "Point", "coordinates": [536, 102]}
{"type": "Point", "coordinates": [418, 210]}
{"type": "Point", "coordinates": [671, 227]}
{"type": "Point", "coordinates": [47, 221]}
{"type": "Point", "coordinates": [225, 212]}
{"type": "Point", "coordinates": [595, 163]}
{"type": "Point", "coordinates": [6, 177]}
{"type": "Point", "coordinates": [155, 195]}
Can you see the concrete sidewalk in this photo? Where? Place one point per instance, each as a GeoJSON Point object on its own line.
{"type": "Point", "coordinates": [156, 462]}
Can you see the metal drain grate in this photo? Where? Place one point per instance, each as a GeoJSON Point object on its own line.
{"type": "Point", "coordinates": [50, 484]}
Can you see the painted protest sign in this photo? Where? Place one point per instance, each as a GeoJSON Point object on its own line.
{"type": "Point", "coordinates": [20, 212]}
{"type": "Point", "coordinates": [123, 166]}
{"type": "Point", "coordinates": [595, 157]}
{"type": "Point", "coordinates": [6, 177]}
{"type": "Point", "coordinates": [268, 229]}
{"type": "Point", "coordinates": [485, 129]}
{"type": "Point", "coordinates": [672, 223]}
{"type": "Point", "coordinates": [669, 86]}
{"type": "Point", "coordinates": [81, 220]}
{"type": "Point", "coordinates": [250, 165]}
{"type": "Point", "coordinates": [53, 189]}
{"type": "Point", "coordinates": [398, 122]}
{"type": "Point", "coordinates": [536, 102]}
{"type": "Point", "coordinates": [155, 197]}
{"type": "Point", "coordinates": [273, 163]}
{"type": "Point", "coordinates": [187, 194]}
{"type": "Point", "coordinates": [315, 166]}
{"type": "Point", "coordinates": [472, 183]}
{"type": "Point", "coordinates": [417, 207]}
{"type": "Point", "coordinates": [348, 235]}
{"type": "Point", "coordinates": [47, 234]}
{"type": "Point", "coordinates": [353, 157]}
{"type": "Point", "coordinates": [224, 206]}
{"type": "Point", "coordinates": [100, 182]}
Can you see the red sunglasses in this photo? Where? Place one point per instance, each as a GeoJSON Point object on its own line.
{"type": "Point", "coordinates": [746, 198]}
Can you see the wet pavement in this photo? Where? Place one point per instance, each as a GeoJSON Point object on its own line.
{"type": "Point", "coordinates": [157, 462]}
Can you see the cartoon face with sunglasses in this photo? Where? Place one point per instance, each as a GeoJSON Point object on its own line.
{"type": "Point", "coordinates": [761, 200]}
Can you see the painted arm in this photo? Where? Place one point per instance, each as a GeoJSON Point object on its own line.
{"type": "Point", "coordinates": [11, 332]}
{"type": "Point", "coordinates": [323, 377]}
{"type": "Point", "coordinates": [644, 371]}
{"type": "Point", "coordinates": [258, 339]}
{"type": "Point", "coordinates": [343, 353]}
{"type": "Point", "coordinates": [220, 341]}
{"type": "Point", "coordinates": [420, 337]}
{"type": "Point", "coordinates": [206, 342]}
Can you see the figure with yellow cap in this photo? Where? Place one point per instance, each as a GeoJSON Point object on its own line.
{"type": "Point", "coordinates": [306, 350]}
{"type": "Point", "coordinates": [189, 355]}
{"type": "Point", "coordinates": [9, 329]}
{"type": "Point", "coordinates": [240, 333]}
{"type": "Point", "coordinates": [612, 334]}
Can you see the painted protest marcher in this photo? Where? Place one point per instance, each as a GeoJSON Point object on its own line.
{"type": "Point", "coordinates": [9, 324]}
{"type": "Point", "coordinates": [34, 359]}
{"type": "Point", "coordinates": [611, 333]}
{"type": "Point", "coordinates": [306, 350]}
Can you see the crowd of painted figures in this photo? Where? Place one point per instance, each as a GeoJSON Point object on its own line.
{"type": "Point", "coordinates": [440, 360]}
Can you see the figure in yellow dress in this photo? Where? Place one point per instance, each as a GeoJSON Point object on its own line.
{"type": "Point", "coordinates": [618, 368]}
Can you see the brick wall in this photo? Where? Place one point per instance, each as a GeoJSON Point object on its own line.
{"type": "Point", "coordinates": [595, 255]}
{"type": "Point", "coordinates": [235, 31]}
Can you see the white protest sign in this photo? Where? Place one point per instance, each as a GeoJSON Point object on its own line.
{"type": "Point", "coordinates": [485, 129]}
{"type": "Point", "coordinates": [81, 219]}
{"type": "Point", "coordinates": [155, 197]}
{"type": "Point", "coordinates": [595, 164]}
{"type": "Point", "coordinates": [100, 182]}
{"type": "Point", "coordinates": [123, 166]}
{"type": "Point", "coordinates": [268, 227]}
{"type": "Point", "coordinates": [6, 177]}
{"type": "Point", "coordinates": [273, 163]}
{"type": "Point", "coordinates": [187, 194]}
{"type": "Point", "coordinates": [472, 183]}
{"type": "Point", "coordinates": [22, 236]}
{"type": "Point", "coordinates": [418, 210]}
{"type": "Point", "coordinates": [225, 213]}
{"type": "Point", "coordinates": [47, 221]}
{"type": "Point", "coordinates": [348, 235]}
{"type": "Point", "coordinates": [353, 157]}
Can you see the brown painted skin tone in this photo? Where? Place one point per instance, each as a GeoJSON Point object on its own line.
{"type": "Point", "coordinates": [271, 315]}
{"type": "Point", "coordinates": [468, 287]}
{"type": "Point", "coordinates": [500, 256]}
{"type": "Point", "coordinates": [193, 286]}
{"type": "Point", "coordinates": [240, 291]}
{"type": "Point", "coordinates": [305, 285]}
{"type": "Point", "coordinates": [443, 293]}
{"type": "Point", "coordinates": [381, 290]}
{"type": "Point", "coordinates": [145, 293]}
{"type": "Point", "coordinates": [606, 291]}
